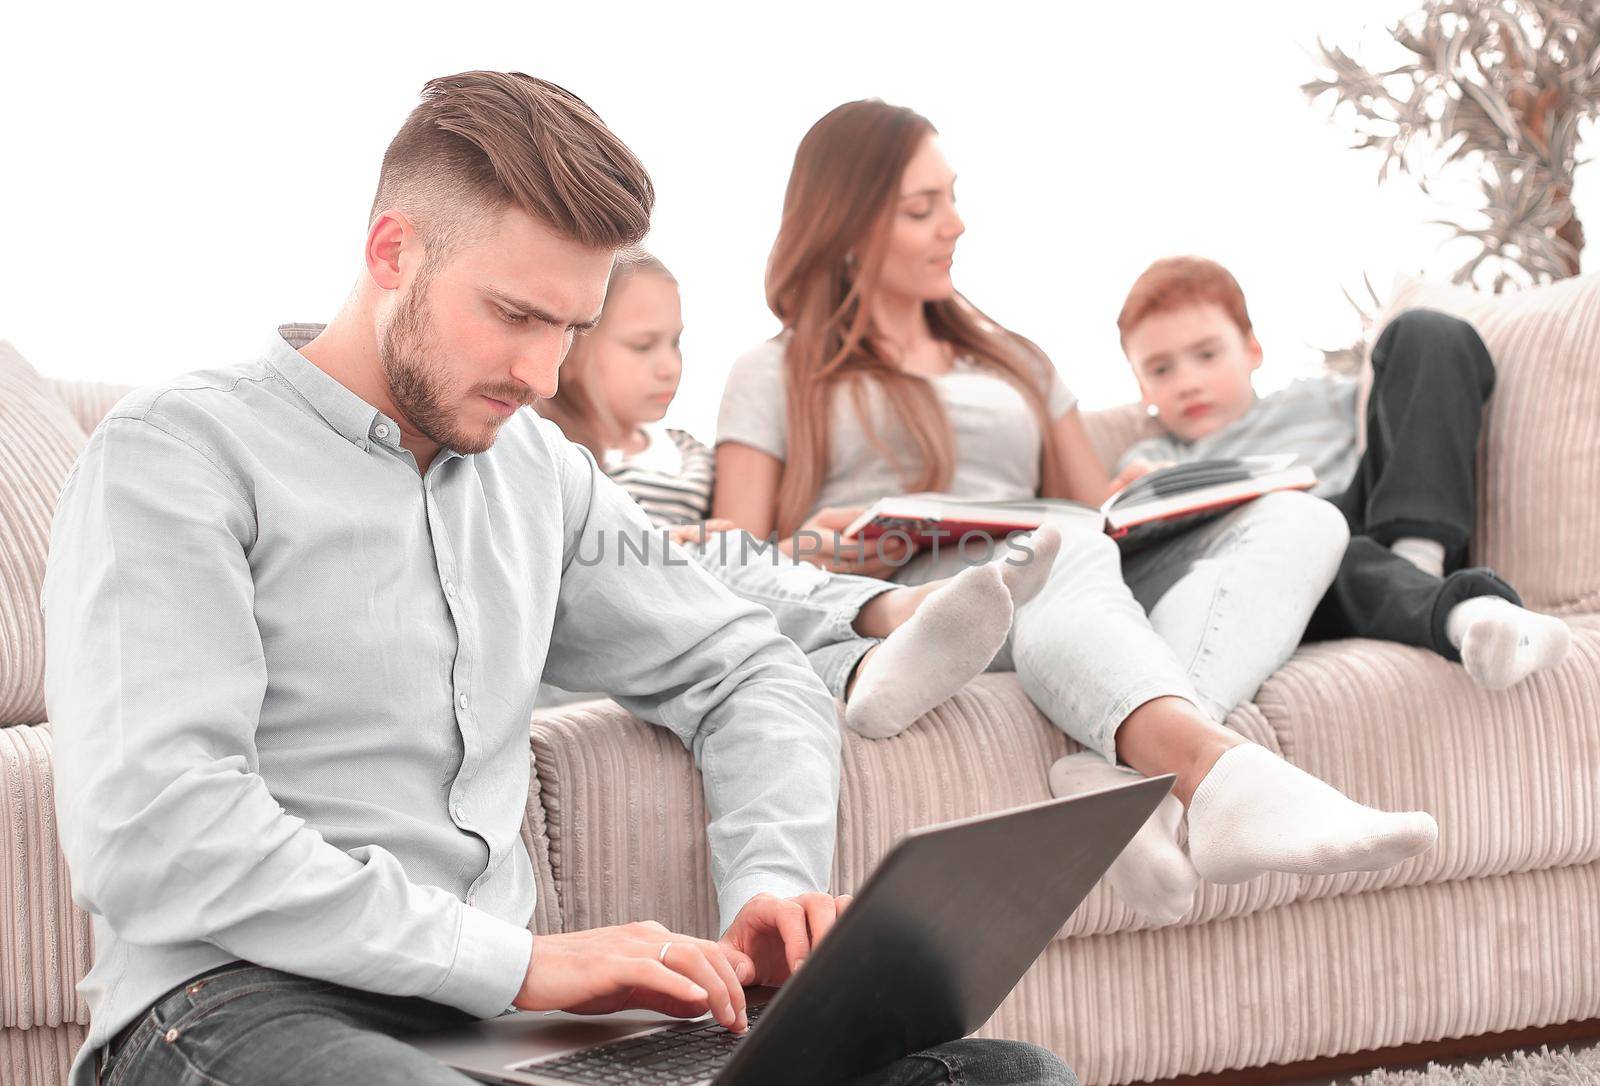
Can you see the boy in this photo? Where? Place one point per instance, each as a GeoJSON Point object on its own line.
{"type": "Point", "coordinates": [1408, 498]}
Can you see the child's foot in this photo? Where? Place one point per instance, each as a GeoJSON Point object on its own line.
{"type": "Point", "coordinates": [1501, 644]}
{"type": "Point", "coordinates": [1152, 875]}
{"type": "Point", "coordinates": [953, 635]}
{"type": "Point", "coordinates": [1025, 573]}
{"type": "Point", "coordinates": [1254, 813]}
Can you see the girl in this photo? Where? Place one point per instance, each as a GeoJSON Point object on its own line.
{"type": "Point", "coordinates": [886, 380]}
{"type": "Point", "coordinates": [891, 652]}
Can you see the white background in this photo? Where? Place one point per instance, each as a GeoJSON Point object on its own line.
{"type": "Point", "coordinates": [177, 180]}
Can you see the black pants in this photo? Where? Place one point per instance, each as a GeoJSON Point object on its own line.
{"type": "Point", "coordinates": [1431, 377]}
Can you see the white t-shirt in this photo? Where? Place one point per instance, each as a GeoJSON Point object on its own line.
{"type": "Point", "coordinates": [997, 438]}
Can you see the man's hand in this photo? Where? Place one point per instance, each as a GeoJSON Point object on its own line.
{"type": "Point", "coordinates": [771, 936]}
{"type": "Point", "coordinates": [682, 534]}
{"type": "Point", "coordinates": [818, 541]}
{"type": "Point", "coordinates": [624, 968]}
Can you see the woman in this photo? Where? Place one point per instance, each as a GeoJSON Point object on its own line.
{"type": "Point", "coordinates": [886, 380]}
{"type": "Point", "coordinates": [890, 652]}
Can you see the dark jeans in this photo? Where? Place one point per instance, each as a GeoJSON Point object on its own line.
{"type": "Point", "coordinates": [245, 1024]}
{"type": "Point", "coordinates": [1432, 375]}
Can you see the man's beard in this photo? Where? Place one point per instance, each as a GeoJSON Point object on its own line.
{"type": "Point", "coordinates": [418, 384]}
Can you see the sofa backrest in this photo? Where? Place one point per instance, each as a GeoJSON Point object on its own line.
{"type": "Point", "coordinates": [1538, 478]}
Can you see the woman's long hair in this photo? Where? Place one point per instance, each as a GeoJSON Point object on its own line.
{"type": "Point", "coordinates": [822, 278]}
{"type": "Point", "coordinates": [574, 408]}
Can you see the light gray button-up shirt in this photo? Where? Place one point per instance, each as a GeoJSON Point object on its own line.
{"type": "Point", "coordinates": [290, 681]}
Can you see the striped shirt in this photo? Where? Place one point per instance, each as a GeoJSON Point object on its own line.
{"type": "Point", "coordinates": [670, 478]}
{"type": "Point", "coordinates": [1314, 418]}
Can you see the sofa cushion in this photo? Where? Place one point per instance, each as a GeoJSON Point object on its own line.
{"type": "Point", "coordinates": [42, 440]}
{"type": "Point", "coordinates": [1539, 462]}
{"type": "Point", "coordinates": [626, 816]}
{"type": "Point", "coordinates": [1513, 778]}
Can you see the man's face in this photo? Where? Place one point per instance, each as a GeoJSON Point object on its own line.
{"type": "Point", "coordinates": [1194, 366]}
{"type": "Point", "coordinates": [471, 341]}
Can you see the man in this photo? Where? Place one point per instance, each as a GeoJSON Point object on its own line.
{"type": "Point", "coordinates": [297, 610]}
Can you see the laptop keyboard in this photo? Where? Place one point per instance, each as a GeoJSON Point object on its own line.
{"type": "Point", "coordinates": [670, 1057]}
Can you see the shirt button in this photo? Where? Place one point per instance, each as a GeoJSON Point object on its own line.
{"type": "Point", "coordinates": [472, 899]}
{"type": "Point", "coordinates": [461, 813]}
{"type": "Point", "coordinates": [381, 430]}
{"type": "Point", "coordinates": [450, 589]}
{"type": "Point", "coordinates": [462, 701]}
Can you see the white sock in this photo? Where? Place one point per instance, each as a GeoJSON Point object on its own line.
{"type": "Point", "coordinates": [951, 637]}
{"type": "Point", "coordinates": [1152, 875]}
{"type": "Point", "coordinates": [1254, 813]}
{"type": "Point", "coordinates": [1501, 644]}
{"type": "Point", "coordinates": [1426, 554]}
{"type": "Point", "coordinates": [1025, 578]}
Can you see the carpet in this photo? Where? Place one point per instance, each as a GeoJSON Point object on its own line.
{"type": "Point", "coordinates": [1561, 1067]}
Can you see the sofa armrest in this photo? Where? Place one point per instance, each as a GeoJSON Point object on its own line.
{"type": "Point", "coordinates": [625, 820]}
{"type": "Point", "coordinates": [535, 836]}
{"type": "Point", "coordinates": [45, 942]}
{"type": "Point", "coordinates": [88, 400]}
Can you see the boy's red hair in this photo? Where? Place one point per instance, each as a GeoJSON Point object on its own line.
{"type": "Point", "coordinates": [1179, 281]}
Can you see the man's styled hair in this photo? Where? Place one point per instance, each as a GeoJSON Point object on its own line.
{"type": "Point", "coordinates": [1180, 281]}
{"type": "Point", "coordinates": [483, 141]}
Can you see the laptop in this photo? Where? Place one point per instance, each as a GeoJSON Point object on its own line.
{"type": "Point", "coordinates": [937, 937]}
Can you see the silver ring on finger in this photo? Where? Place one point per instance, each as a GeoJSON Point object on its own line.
{"type": "Point", "coordinates": [662, 957]}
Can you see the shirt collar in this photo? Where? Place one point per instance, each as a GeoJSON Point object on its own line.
{"type": "Point", "coordinates": [354, 418]}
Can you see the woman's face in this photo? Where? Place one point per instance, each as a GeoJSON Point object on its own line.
{"type": "Point", "coordinates": [634, 358]}
{"type": "Point", "coordinates": [922, 241]}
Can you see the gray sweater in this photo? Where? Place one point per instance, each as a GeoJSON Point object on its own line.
{"type": "Point", "coordinates": [1314, 418]}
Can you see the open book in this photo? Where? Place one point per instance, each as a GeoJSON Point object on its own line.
{"type": "Point", "coordinates": [1153, 507]}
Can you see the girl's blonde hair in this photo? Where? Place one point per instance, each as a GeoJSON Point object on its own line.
{"type": "Point", "coordinates": [574, 408]}
{"type": "Point", "coordinates": [822, 279]}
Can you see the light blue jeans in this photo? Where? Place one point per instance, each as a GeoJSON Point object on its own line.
{"type": "Point", "coordinates": [1205, 617]}
{"type": "Point", "coordinates": [814, 608]}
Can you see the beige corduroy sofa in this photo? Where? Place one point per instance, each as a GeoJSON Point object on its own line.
{"type": "Point", "coordinates": [1498, 928]}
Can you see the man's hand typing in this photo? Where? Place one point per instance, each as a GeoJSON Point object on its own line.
{"type": "Point", "coordinates": [633, 967]}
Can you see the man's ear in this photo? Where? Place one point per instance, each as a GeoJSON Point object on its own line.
{"type": "Point", "coordinates": [390, 235]}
